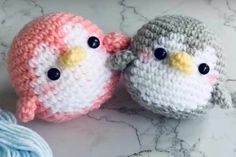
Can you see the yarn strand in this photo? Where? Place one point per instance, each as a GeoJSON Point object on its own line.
{"type": "Point", "coordinates": [19, 141]}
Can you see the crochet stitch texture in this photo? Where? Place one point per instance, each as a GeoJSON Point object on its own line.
{"type": "Point", "coordinates": [174, 67]}
{"type": "Point", "coordinates": [57, 64]}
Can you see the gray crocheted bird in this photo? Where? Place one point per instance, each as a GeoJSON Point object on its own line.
{"type": "Point", "coordinates": [174, 67]}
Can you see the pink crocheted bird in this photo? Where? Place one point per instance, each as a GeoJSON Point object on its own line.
{"type": "Point", "coordinates": [57, 64]}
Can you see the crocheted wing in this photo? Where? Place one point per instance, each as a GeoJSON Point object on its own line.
{"type": "Point", "coordinates": [174, 67]}
{"type": "Point", "coordinates": [57, 64]}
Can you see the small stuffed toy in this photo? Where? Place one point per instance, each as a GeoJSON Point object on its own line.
{"type": "Point", "coordinates": [174, 67]}
{"type": "Point", "coordinates": [57, 64]}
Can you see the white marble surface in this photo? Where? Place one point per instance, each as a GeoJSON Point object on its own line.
{"type": "Point", "coordinates": [121, 128]}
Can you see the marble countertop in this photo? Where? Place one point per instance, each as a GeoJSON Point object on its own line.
{"type": "Point", "coordinates": [121, 128]}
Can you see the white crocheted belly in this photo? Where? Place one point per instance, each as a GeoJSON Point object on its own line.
{"type": "Point", "coordinates": [77, 87]}
{"type": "Point", "coordinates": [167, 87]}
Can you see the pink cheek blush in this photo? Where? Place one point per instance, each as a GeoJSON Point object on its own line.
{"type": "Point", "coordinates": [144, 56]}
{"type": "Point", "coordinates": [212, 78]}
{"type": "Point", "coordinates": [47, 88]}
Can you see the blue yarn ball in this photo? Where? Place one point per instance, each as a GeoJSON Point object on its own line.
{"type": "Point", "coordinates": [19, 141]}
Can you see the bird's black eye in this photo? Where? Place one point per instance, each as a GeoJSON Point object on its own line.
{"type": "Point", "coordinates": [54, 74]}
{"type": "Point", "coordinates": [93, 42]}
{"type": "Point", "coordinates": [160, 53]}
{"type": "Point", "coordinates": [203, 68]}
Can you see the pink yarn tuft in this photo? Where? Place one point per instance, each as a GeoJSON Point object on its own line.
{"type": "Point", "coordinates": [114, 42]}
{"type": "Point", "coordinates": [26, 109]}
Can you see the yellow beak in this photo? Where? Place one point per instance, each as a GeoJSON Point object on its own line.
{"type": "Point", "coordinates": [72, 57]}
{"type": "Point", "coordinates": [182, 61]}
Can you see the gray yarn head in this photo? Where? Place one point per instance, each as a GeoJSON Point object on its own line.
{"type": "Point", "coordinates": [175, 67]}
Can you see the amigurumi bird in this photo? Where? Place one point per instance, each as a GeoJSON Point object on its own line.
{"type": "Point", "coordinates": [174, 67]}
{"type": "Point", "coordinates": [57, 64]}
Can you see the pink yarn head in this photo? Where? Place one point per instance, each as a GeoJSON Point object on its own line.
{"type": "Point", "coordinates": [114, 42]}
